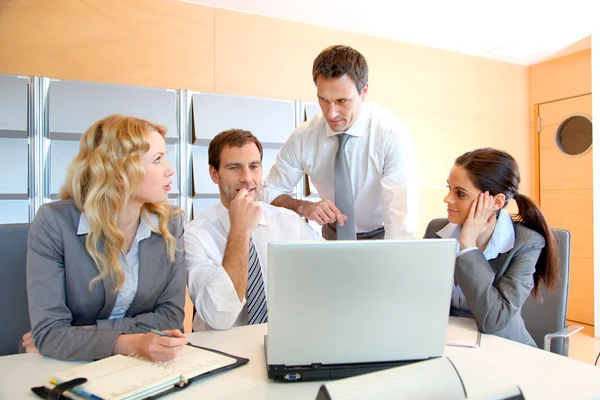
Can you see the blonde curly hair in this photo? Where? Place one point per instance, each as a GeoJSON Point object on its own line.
{"type": "Point", "coordinates": [102, 178]}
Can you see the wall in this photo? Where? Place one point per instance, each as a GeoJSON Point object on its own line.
{"type": "Point", "coordinates": [559, 79]}
{"type": "Point", "coordinates": [596, 177]}
{"type": "Point", "coordinates": [451, 102]}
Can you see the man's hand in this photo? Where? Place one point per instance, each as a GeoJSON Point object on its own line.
{"type": "Point", "coordinates": [244, 212]}
{"type": "Point", "coordinates": [322, 212]}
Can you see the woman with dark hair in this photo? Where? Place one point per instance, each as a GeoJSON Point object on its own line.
{"type": "Point", "coordinates": [501, 259]}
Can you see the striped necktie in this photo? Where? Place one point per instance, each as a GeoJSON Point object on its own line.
{"type": "Point", "coordinates": [255, 292]}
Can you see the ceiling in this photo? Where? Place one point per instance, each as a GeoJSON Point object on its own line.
{"type": "Point", "coordinates": [522, 32]}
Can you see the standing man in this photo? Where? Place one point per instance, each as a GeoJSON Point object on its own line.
{"type": "Point", "coordinates": [226, 245]}
{"type": "Point", "coordinates": [358, 155]}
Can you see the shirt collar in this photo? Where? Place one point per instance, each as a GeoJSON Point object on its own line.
{"type": "Point", "coordinates": [357, 129]}
{"type": "Point", "coordinates": [148, 224]}
{"type": "Point", "coordinates": [223, 215]}
{"type": "Point", "coordinates": [502, 240]}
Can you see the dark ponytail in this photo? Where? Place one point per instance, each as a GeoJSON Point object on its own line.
{"type": "Point", "coordinates": [497, 172]}
{"type": "Point", "coordinates": [546, 268]}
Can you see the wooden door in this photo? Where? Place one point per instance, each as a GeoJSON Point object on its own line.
{"type": "Point", "coordinates": [566, 194]}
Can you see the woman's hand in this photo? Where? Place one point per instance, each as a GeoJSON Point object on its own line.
{"type": "Point", "coordinates": [481, 216]}
{"type": "Point", "coordinates": [151, 346]}
{"type": "Point", "coordinates": [28, 343]}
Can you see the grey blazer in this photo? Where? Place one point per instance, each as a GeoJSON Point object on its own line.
{"type": "Point", "coordinates": [495, 290]}
{"type": "Point", "coordinates": [59, 270]}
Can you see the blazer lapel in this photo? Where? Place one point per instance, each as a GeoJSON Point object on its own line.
{"type": "Point", "coordinates": [110, 297]}
{"type": "Point", "coordinates": [107, 286]}
{"type": "Point", "coordinates": [151, 251]}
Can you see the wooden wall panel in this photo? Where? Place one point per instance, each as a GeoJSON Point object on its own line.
{"type": "Point", "coordinates": [431, 206]}
{"type": "Point", "coordinates": [168, 44]}
{"type": "Point", "coordinates": [575, 216]}
{"type": "Point", "coordinates": [505, 91]}
{"type": "Point", "coordinates": [515, 140]}
{"type": "Point", "coordinates": [438, 142]}
{"type": "Point", "coordinates": [267, 57]}
{"type": "Point", "coordinates": [419, 81]}
{"type": "Point", "coordinates": [580, 306]}
{"type": "Point", "coordinates": [561, 78]}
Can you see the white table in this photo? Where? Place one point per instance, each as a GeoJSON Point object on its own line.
{"type": "Point", "coordinates": [497, 363]}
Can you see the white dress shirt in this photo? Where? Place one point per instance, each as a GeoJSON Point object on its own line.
{"type": "Point", "coordinates": [210, 287]}
{"type": "Point", "coordinates": [130, 262]}
{"type": "Point", "coordinates": [382, 169]}
{"type": "Point", "coordinates": [502, 241]}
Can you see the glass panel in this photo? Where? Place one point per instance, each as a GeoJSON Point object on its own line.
{"type": "Point", "coordinates": [62, 153]}
{"type": "Point", "coordinates": [13, 103]}
{"type": "Point", "coordinates": [172, 158]}
{"type": "Point", "coordinates": [75, 106]}
{"type": "Point", "coordinates": [14, 162]}
{"type": "Point", "coordinates": [574, 135]}
{"type": "Point", "coordinates": [14, 211]}
{"type": "Point", "coordinates": [311, 109]}
{"type": "Point", "coordinates": [269, 157]}
{"type": "Point", "coordinates": [202, 182]}
{"type": "Point", "coordinates": [201, 204]}
{"type": "Point", "coordinates": [269, 120]}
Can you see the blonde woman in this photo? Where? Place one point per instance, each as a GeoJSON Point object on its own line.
{"type": "Point", "coordinates": [109, 254]}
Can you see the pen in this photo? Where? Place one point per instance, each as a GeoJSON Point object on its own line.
{"type": "Point", "coordinates": [152, 329]}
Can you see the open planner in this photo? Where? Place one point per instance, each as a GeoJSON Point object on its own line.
{"type": "Point", "coordinates": [122, 377]}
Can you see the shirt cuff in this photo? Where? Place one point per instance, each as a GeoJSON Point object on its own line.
{"type": "Point", "coordinates": [468, 249]}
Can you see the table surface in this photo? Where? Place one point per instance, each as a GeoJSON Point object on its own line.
{"type": "Point", "coordinates": [495, 364]}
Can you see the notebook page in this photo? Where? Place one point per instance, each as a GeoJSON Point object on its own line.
{"type": "Point", "coordinates": [462, 332]}
{"type": "Point", "coordinates": [119, 377]}
{"type": "Point", "coordinates": [192, 361]}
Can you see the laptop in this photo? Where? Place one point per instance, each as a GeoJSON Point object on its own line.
{"type": "Point", "coordinates": [343, 308]}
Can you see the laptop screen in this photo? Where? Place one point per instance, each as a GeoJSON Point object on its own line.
{"type": "Point", "coordinates": [358, 301]}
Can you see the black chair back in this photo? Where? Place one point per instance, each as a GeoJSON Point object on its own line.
{"type": "Point", "coordinates": [14, 312]}
{"type": "Point", "coordinates": [550, 315]}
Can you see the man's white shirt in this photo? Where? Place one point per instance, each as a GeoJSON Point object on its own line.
{"type": "Point", "coordinates": [382, 169]}
{"type": "Point", "coordinates": [209, 285]}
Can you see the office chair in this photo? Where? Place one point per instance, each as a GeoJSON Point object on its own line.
{"type": "Point", "coordinates": [14, 312]}
{"type": "Point", "coordinates": [546, 321]}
